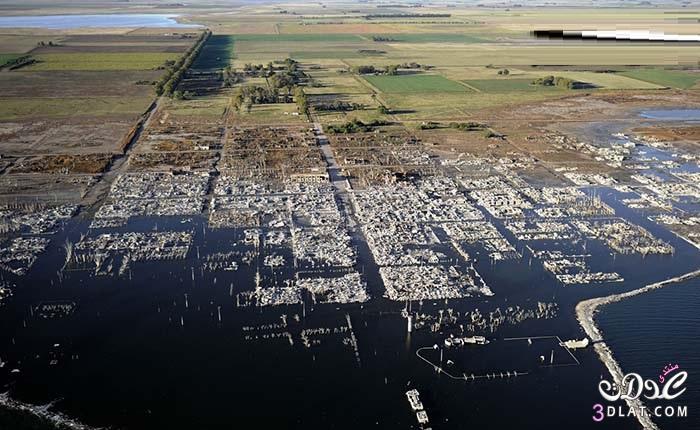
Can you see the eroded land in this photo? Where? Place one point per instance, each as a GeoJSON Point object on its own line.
{"type": "Point", "coordinates": [353, 153]}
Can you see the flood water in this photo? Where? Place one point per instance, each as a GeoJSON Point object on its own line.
{"type": "Point", "coordinates": [672, 114]}
{"type": "Point", "coordinates": [81, 21]}
{"type": "Point", "coordinates": [137, 353]}
{"type": "Point", "coordinates": [148, 349]}
{"type": "Point", "coordinates": [658, 328]}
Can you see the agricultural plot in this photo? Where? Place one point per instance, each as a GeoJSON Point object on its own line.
{"type": "Point", "coordinates": [217, 53]}
{"type": "Point", "coordinates": [609, 80]}
{"type": "Point", "coordinates": [272, 114]}
{"type": "Point", "coordinates": [297, 38]}
{"type": "Point", "coordinates": [510, 55]}
{"type": "Point", "coordinates": [205, 107]}
{"type": "Point", "coordinates": [504, 85]}
{"type": "Point", "coordinates": [21, 43]}
{"type": "Point", "coordinates": [102, 61]}
{"type": "Point", "coordinates": [334, 54]}
{"type": "Point", "coordinates": [78, 83]}
{"type": "Point", "coordinates": [456, 106]}
{"type": "Point", "coordinates": [335, 83]}
{"type": "Point", "coordinates": [4, 58]}
{"type": "Point", "coordinates": [429, 38]}
{"type": "Point", "coordinates": [666, 78]}
{"type": "Point", "coordinates": [415, 84]}
{"type": "Point", "coordinates": [12, 108]}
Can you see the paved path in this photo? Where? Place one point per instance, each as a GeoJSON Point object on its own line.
{"type": "Point", "coordinates": [337, 178]}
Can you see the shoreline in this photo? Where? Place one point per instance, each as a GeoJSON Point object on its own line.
{"type": "Point", "coordinates": [43, 412]}
{"type": "Point", "coordinates": [585, 314]}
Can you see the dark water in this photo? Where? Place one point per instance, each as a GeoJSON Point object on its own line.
{"type": "Point", "coordinates": [78, 21]}
{"type": "Point", "coordinates": [649, 331]}
{"type": "Point", "coordinates": [123, 358]}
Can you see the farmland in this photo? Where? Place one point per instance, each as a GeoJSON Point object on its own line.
{"type": "Point", "coordinates": [4, 58]}
{"type": "Point", "coordinates": [505, 85]}
{"type": "Point", "coordinates": [101, 61]}
{"type": "Point", "coordinates": [324, 189]}
{"type": "Point", "coordinates": [218, 53]}
{"type": "Point", "coordinates": [415, 84]}
{"type": "Point", "coordinates": [668, 78]}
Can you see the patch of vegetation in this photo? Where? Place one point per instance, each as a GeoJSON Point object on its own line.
{"type": "Point", "coordinates": [4, 58]}
{"type": "Point", "coordinates": [183, 95]}
{"type": "Point", "coordinates": [338, 106]}
{"type": "Point", "coordinates": [561, 82]}
{"type": "Point", "coordinates": [383, 39]}
{"type": "Point", "coordinates": [467, 126]}
{"type": "Point", "coordinates": [429, 125]}
{"type": "Point", "coordinates": [463, 126]}
{"type": "Point", "coordinates": [302, 100]}
{"type": "Point", "coordinates": [249, 95]}
{"type": "Point", "coordinates": [391, 70]}
{"type": "Point", "coordinates": [42, 44]}
{"type": "Point", "coordinates": [283, 85]}
{"type": "Point", "coordinates": [415, 84]}
{"type": "Point", "coordinates": [231, 77]}
{"type": "Point", "coordinates": [18, 62]}
{"type": "Point", "coordinates": [371, 52]}
{"type": "Point", "coordinates": [355, 126]}
{"type": "Point", "coordinates": [667, 78]}
{"type": "Point", "coordinates": [279, 74]}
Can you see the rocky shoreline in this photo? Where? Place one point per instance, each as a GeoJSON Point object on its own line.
{"type": "Point", "coordinates": [585, 313]}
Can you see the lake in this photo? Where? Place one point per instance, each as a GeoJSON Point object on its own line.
{"type": "Point", "coordinates": [80, 21]}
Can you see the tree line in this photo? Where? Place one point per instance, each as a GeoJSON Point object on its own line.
{"type": "Point", "coordinates": [355, 126]}
{"type": "Point", "coordinates": [390, 70]}
{"type": "Point", "coordinates": [176, 70]}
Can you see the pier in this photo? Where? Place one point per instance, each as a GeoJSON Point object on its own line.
{"type": "Point", "coordinates": [464, 377]}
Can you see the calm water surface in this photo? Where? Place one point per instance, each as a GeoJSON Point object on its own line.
{"type": "Point", "coordinates": [78, 21]}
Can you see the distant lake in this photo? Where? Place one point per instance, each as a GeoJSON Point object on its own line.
{"type": "Point", "coordinates": [77, 21]}
{"type": "Point", "coordinates": [672, 114]}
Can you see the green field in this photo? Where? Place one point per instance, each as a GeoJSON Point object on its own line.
{"type": "Point", "coordinates": [415, 84]}
{"type": "Point", "coordinates": [216, 53]}
{"type": "Point", "coordinates": [505, 85]}
{"type": "Point", "coordinates": [4, 58]}
{"type": "Point", "coordinates": [102, 61]}
{"type": "Point", "coordinates": [38, 107]}
{"type": "Point", "coordinates": [667, 78]}
{"type": "Point", "coordinates": [430, 38]}
{"type": "Point", "coordinates": [276, 38]}
{"type": "Point", "coordinates": [302, 55]}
